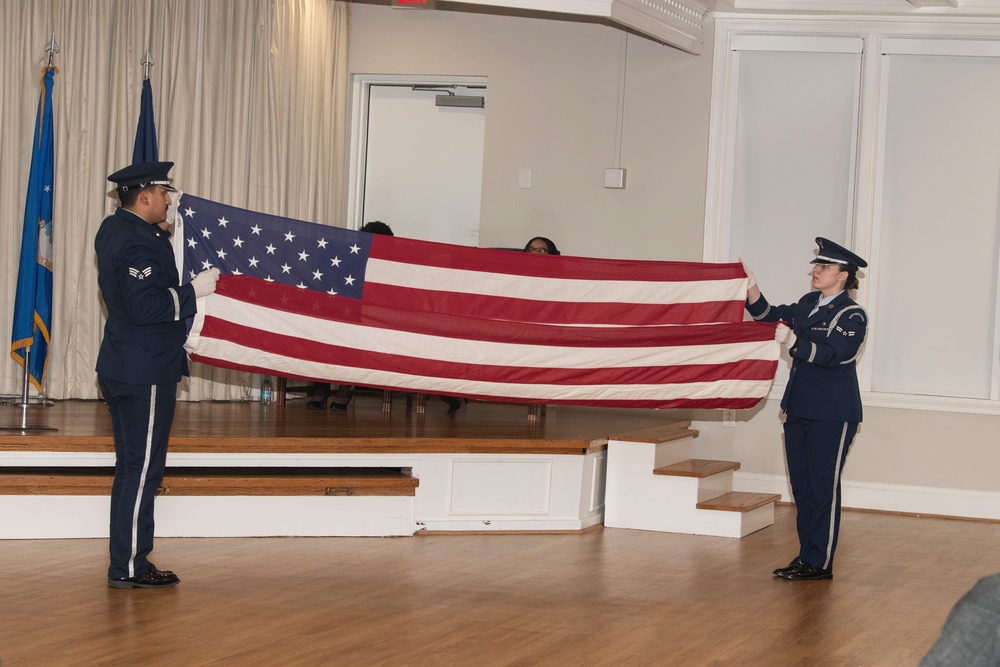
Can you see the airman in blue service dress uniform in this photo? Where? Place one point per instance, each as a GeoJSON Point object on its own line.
{"type": "Point", "coordinates": [824, 333]}
{"type": "Point", "coordinates": [141, 359]}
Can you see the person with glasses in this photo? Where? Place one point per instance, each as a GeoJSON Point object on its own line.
{"type": "Point", "coordinates": [823, 333]}
{"type": "Point", "coordinates": [541, 245]}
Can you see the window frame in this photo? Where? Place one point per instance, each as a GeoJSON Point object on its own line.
{"type": "Point", "coordinates": [881, 40]}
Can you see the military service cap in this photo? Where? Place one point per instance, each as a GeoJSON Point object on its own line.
{"type": "Point", "coordinates": [143, 174]}
{"type": "Point", "coordinates": [833, 253]}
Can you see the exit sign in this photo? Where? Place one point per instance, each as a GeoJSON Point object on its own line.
{"type": "Point", "coordinates": [414, 4]}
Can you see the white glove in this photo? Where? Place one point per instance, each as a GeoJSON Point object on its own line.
{"type": "Point", "coordinates": [204, 282]}
{"type": "Point", "coordinates": [751, 278]}
{"type": "Point", "coordinates": [784, 335]}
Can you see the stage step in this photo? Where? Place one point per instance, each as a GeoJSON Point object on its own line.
{"type": "Point", "coordinates": [739, 501]}
{"type": "Point", "coordinates": [675, 429]}
{"type": "Point", "coordinates": [653, 483]}
{"type": "Point", "coordinates": [697, 468]}
{"type": "Point", "coordinates": [216, 502]}
{"type": "Point", "coordinates": [218, 482]}
{"type": "Point", "coordinates": [486, 469]}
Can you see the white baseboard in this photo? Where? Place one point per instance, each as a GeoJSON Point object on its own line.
{"type": "Point", "coordinates": [890, 497]}
{"type": "Point", "coordinates": [508, 525]}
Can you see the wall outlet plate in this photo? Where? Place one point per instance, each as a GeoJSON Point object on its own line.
{"type": "Point", "coordinates": [614, 178]}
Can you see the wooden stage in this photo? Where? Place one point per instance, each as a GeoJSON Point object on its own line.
{"type": "Point", "coordinates": [238, 469]}
{"type": "Point", "coordinates": [251, 427]}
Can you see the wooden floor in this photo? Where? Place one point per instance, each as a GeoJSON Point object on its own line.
{"type": "Point", "coordinates": [604, 597]}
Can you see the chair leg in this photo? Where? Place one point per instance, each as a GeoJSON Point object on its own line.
{"type": "Point", "coordinates": [421, 404]}
{"type": "Point", "coordinates": [386, 400]}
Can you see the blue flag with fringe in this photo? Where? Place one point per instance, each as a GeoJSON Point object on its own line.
{"type": "Point", "coordinates": [33, 300]}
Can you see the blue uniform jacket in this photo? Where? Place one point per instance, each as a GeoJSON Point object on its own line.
{"type": "Point", "coordinates": [147, 307]}
{"type": "Point", "coordinates": [823, 383]}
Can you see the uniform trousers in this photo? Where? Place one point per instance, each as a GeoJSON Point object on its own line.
{"type": "Point", "coordinates": [141, 416]}
{"type": "Point", "coordinates": [816, 451]}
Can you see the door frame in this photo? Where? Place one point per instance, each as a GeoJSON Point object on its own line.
{"type": "Point", "coordinates": [360, 92]}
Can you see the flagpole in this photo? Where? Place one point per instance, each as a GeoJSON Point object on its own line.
{"type": "Point", "coordinates": [145, 149]}
{"type": "Point", "coordinates": [52, 48]}
{"type": "Point", "coordinates": [146, 62]}
{"type": "Point", "coordinates": [40, 399]}
{"type": "Point", "coordinates": [24, 425]}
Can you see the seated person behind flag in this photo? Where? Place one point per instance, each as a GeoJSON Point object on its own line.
{"type": "Point", "coordinates": [321, 392]}
{"type": "Point", "coordinates": [344, 393]}
{"type": "Point", "coordinates": [541, 245]}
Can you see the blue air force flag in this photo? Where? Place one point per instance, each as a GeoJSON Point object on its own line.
{"type": "Point", "coordinates": [33, 300]}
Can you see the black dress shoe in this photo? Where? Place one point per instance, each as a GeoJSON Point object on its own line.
{"type": "Point", "coordinates": [150, 578]}
{"type": "Point", "coordinates": [794, 565]}
{"type": "Point", "coordinates": [316, 405]}
{"type": "Point", "coordinates": [808, 572]}
{"type": "Point", "coordinates": [339, 407]}
{"type": "Point", "coordinates": [453, 403]}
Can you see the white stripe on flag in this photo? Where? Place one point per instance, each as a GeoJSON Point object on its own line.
{"type": "Point", "coordinates": [498, 356]}
{"type": "Point", "coordinates": [232, 353]}
{"type": "Point", "coordinates": [440, 348]}
{"type": "Point", "coordinates": [433, 278]}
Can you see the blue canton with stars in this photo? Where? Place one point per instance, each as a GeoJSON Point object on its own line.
{"type": "Point", "coordinates": [292, 252]}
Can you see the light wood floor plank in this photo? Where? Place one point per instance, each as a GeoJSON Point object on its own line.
{"type": "Point", "coordinates": [604, 597]}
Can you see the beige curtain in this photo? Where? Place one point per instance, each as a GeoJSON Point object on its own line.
{"type": "Point", "coordinates": [250, 98]}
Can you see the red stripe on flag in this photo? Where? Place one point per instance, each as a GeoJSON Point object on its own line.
{"type": "Point", "coordinates": [338, 356]}
{"type": "Point", "coordinates": [528, 310]}
{"type": "Point", "coordinates": [737, 403]}
{"type": "Point", "coordinates": [714, 403]}
{"type": "Point", "coordinates": [327, 307]}
{"type": "Point", "coordinates": [427, 253]}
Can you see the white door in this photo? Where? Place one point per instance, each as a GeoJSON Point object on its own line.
{"type": "Point", "coordinates": [419, 165]}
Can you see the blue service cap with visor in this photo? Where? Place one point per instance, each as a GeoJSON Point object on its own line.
{"type": "Point", "coordinates": [143, 174]}
{"type": "Point", "coordinates": [834, 253]}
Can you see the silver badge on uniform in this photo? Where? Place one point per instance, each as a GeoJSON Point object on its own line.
{"type": "Point", "coordinates": [140, 274]}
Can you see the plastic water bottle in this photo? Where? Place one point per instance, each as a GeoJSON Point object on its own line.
{"type": "Point", "coordinates": [265, 391]}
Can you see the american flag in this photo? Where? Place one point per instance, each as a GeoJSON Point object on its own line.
{"type": "Point", "coordinates": [311, 301]}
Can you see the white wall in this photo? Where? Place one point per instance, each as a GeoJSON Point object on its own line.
{"type": "Point", "coordinates": [552, 108]}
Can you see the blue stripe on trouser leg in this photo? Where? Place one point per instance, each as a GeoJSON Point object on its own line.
{"type": "Point", "coordinates": [141, 417]}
